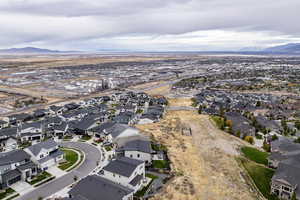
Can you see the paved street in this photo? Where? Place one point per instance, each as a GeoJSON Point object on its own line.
{"type": "Point", "coordinates": [92, 156]}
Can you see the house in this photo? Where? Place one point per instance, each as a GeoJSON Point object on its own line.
{"type": "Point", "coordinates": [56, 110]}
{"type": "Point", "coordinates": [125, 118]}
{"type": "Point", "coordinates": [18, 118]}
{"type": "Point", "coordinates": [125, 171]}
{"type": "Point", "coordinates": [82, 127]}
{"type": "Point", "coordinates": [31, 136]}
{"type": "Point", "coordinates": [8, 132]}
{"type": "Point", "coordinates": [3, 124]}
{"type": "Point", "coordinates": [8, 144]}
{"type": "Point", "coordinates": [148, 118]}
{"type": "Point", "coordinates": [14, 167]}
{"type": "Point", "coordinates": [60, 129]}
{"type": "Point", "coordinates": [51, 121]}
{"type": "Point", "coordinates": [138, 149]}
{"type": "Point", "coordinates": [115, 132]}
{"type": "Point", "coordinates": [45, 154]}
{"type": "Point", "coordinates": [94, 187]}
{"type": "Point", "coordinates": [286, 180]}
{"type": "Point", "coordinates": [34, 127]}
{"type": "Point", "coordinates": [40, 113]}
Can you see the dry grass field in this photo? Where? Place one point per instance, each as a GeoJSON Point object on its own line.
{"type": "Point", "coordinates": [204, 163]}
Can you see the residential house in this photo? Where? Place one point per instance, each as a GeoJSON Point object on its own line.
{"type": "Point", "coordinates": [14, 167]}
{"type": "Point", "coordinates": [125, 171]}
{"type": "Point", "coordinates": [3, 124]}
{"type": "Point", "coordinates": [138, 149]}
{"type": "Point", "coordinates": [45, 154]}
{"type": "Point", "coordinates": [8, 144]}
{"type": "Point", "coordinates": [94, 187]}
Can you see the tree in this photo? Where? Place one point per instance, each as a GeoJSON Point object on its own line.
{"type": "Point", "coordinates": [249, 139]}
{"type": "Point", "coordinates": [297, 125]}
{"type": "Point", "coordinates": [294, 196]}
{"type": "Point", "coordinates": [266, 146]}
{"type": "Point", "coordinates": [274, 137]}
{"type": "Point", "coordinates": [200, 109]}
{"type": "Point", "coordinates": [258, 104]}
{"type": "Point", "coordinates": [75, 178]}
{"type": "Point", "coordinates": [238, 133]}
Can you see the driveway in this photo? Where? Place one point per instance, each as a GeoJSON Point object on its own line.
{"type": "Point", "coordinates": [56, 171]}
{"type": "Point", "coordinates": [92, 155]}
{"type": "Point", "coordinates": [22, 187]}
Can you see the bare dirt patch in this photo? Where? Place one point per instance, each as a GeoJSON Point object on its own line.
{"type": "Point", "coordinates": [204, 163]}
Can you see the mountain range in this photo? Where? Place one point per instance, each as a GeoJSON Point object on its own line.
{"type": "Point", "coordinates": [31, 50]}
{"type": "Point", "coordinates": [291, 48]}
{"type": "Point", "coordinates": [287, 48]}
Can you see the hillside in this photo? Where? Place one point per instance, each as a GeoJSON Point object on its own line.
{"type": "Point", "coordinates": [287, 48]}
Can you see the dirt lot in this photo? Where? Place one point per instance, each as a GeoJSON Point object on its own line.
{"type": "Point", "coordinates": [204, 163]}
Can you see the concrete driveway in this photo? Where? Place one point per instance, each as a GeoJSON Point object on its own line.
{"type": "Point", "coordinates": [55, 171]}
{"type": "Point", "coordinates": [92, 154]}
{"type": "Point", "coordinates": [22, 187]}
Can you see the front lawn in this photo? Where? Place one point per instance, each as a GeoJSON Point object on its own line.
{"type": "Point", "coordinates": [160, 164]}
{"type": "Point", "coordinates": [71, 158]}
{"type": "Point", "coordinates": [261, 176]}
{"type": "Point", "coordinates": [85, 137]}
{"type": "Point", "coordinates": [6, 193]}
{"type": "Point", "coordinates": [42, 176]}
{"type": "Point", "coordinates": [255, 155]}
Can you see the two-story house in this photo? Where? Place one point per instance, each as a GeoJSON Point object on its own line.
{"type": "Point", "coordinates": [45, 154]}
{"type": "Point", "coordinates": [125, 171]}
{"type": "Point", "coordinates": [15, 166]}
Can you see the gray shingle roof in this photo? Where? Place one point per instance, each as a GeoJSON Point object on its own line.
{"type": "Point", "coordinates": [288, 173]}
{"type": "Point", "coordinates": [36, 148]}
{"type": "Point", "coordinates": [138, 145]}
{"type": "Point", "coordinates": [13, 157]}
{"type": "Point", "coordinates": [97, 188]}
{"type": "Point", "coordinates": [123, 166]}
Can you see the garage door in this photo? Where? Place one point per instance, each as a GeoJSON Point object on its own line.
{"type": "Point", "coordinates": [14, 180]}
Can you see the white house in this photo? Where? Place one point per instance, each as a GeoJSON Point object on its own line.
{"type": "Point", "coordinates": [9, 144]}
{"type": "Point", "coordinates": [138, 149]}
{"type": "Point", "coordinates": [125, 171]}
{"type": "Point", "coordinates": [45, 154]}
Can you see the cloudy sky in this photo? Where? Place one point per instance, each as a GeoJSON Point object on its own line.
{"type": "Point", "coordinates": [151, 25]}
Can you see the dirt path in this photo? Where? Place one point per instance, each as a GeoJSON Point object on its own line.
{"type": "Point", "coordinates": [204, 163]}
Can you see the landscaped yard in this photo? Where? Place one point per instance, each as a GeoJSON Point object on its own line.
{"type": "Point", "coordinates": [158, 147]}
{"type": "Point", "coordinates": [261, 176]}
{"type": "Point", "coordinates": [142, 192]}
{"type": "Point", "coordinates": [255, 155]}
{"type": "Point", "coordinates": [67, 137]}
{"type": "Point", "coordinates": [85, 137]}
{"type": "Point", "coordinates": [7, 192]}
{"type": "Point", "coordinates": [42, 176]}
{"type": "Point", "coordinates": [160, 164]}
{"type": "Point", "coordinates": [71, 158]}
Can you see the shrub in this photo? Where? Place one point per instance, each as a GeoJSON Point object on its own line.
{"type": "Point", "coordinates": [249, 139]}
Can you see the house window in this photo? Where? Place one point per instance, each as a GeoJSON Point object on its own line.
{"type": "Point", "coordinates": [131, 156]}
{"type": "Point", "coordinates": [138, 155]}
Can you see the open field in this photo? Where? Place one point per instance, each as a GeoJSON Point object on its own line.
{"type": "Point", "coordinates": [204, 163]}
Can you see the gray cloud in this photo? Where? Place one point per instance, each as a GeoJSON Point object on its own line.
{"type": "Point", "coordinates": [88, 22]}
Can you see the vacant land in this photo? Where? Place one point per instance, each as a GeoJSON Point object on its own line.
{"type": "Point", "coordinates": [204, 163]}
